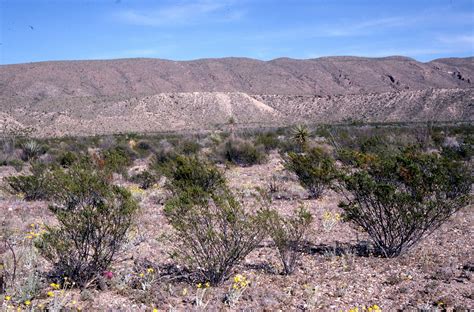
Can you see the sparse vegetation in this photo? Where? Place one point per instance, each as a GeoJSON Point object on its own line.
{"type": "Point", "coordinates": [288, 233]}
{"type": "Point", "coordinates": [209, 222]}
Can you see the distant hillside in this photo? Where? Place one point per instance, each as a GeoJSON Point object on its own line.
{"type": "Point", "coordinates": [322, 76]}
{"type": "Point", "coordinates": [89, 97]}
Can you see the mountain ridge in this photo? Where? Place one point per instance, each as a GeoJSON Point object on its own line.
{"type": "Point", "coordinates": [140, 95]}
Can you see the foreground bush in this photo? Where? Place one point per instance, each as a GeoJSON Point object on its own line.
{"type": "Point", "coordinates": [93, 218]}
{"type": "Point", "coordinates": [287, 233]}
{"type": "Point", "coordinates": [400, 199]}
{"type": "Point", "coordinates": [315, 170]}
{"type": "Point", "coordinates": [214, 232]}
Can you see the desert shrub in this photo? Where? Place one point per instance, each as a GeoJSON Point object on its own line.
{"type": "Point", "coordinates": [145, 179]}
{"type": "Point", "coordinates": [315, 170]}
{"type": "Point", "coordinates": [17, 164]}
{"type": "Point", "coordinates": [190, 172]}
{"type": "Point", "coordinates": [240, 152]}
{"type": "Point", "coordinates": [189, 147]}
{"type": "Point", "coordinates": [33, 187]}
{"type": "Point", "coordinates": [461, 148]}
{"type": "Point", "coordinates": [213, 230]}
{"type": "Point", "coordinates": [142, 148]}
{"type": "Point", "coordinates": [400, 199]}
{"type": "Point", "coordinates": [287, 233]}
{"type": "Point", "coordinates": [117, 159]}
{"type": "Point", "coordinates": [31, 150]}
{"type": "Point", "coordinates": [268, 140]}
{"type": "Point", "coordinates": [66, 159]}
{"type": "Point", "coordinates": [93, 219]}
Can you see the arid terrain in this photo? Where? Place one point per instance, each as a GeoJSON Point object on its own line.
{"type": "Point", "coordinates": [152, 95]}
{"type": "Point", "coordinates": [338, 269]}
{"type": "Point", "coordinates": [438, 273]}
{"type": "Point", "coordinates": [133, 124]}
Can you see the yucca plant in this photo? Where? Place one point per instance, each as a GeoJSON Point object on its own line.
{"type": "Point", "coordinates": [31, 150]}
{"type": "Point", "coordinates": [300, 135]}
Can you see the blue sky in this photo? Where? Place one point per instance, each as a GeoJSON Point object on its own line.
{"type": "Point", "coordinates": [41, 30]}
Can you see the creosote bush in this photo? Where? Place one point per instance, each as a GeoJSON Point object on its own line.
{"type": "Point", "coordinates": [241, 152]}
{"type": "Point", "coordinates": [400, 199]}
{"type": "Point", "coordinates": [145, 179]}
{"type": "Point", "coordinates": [214, 231]}
{"type": "Point", "coordinates": [315, 170]}
{"type": "Point", "coordinates": [93, 218]}
{"type": "Point", "coordinates": [187, 171]}
{"type": "Point", "coordinates": [32, 187]}
{"type": "Point", "coordinates": [67, 158]}
{"type": "Point", "coordinates": [287, 233]}
{"type": "Point", "coordinates": [117, 159]}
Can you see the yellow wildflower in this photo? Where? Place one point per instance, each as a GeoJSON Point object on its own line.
{"type": "Point", "coordinates": [155, 310]}
{"type": "Point", "coordinates": [150, 270]}
{"type": "Point", "coordinates": [8, 298]}
{"type": "Point", "coordinates": [238, 278]}
{"type": "Point", "coordinates": [50, 294]}
{"type": "Point", "coordinates": [141, 274]}
{"type": "Point", "coordinates": [55, 286]}
{"type": "Point", "coordinates": [199, 285]}
{"type": "Point", "coordinates": [207, 284]}
{"type": "Point", "coordinates": [27, 302]}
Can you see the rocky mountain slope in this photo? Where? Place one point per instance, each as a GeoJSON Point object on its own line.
{"type": "Point", "coordinates": [92, 97]}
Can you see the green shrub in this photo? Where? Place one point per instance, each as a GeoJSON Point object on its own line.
{"type": "Point", "coordinates": [268, 140]}
{"type": "Point", "coordinates": [287, 233]}
{"type": "Point", "coordinates": [400, 199]}
{"type": "Point", "coordinates": [66, 159]}
{"type": "Point", "coordinates": [213, 230]}
{"type": "Point", "coordinates": [145, 179]}
{"type": "Point", "coordinates": [315, 170]}
{"type": "Point", "coordinates": [34, 186]}
{"type": "Point", "coordinates": [189, 147]}
{"type": "Point", "coordinates": [17, 164]}
{"type": "Point", "coordinates": [189, 172]}
{"type": "Point", "coordinates": [94, 217]}
{"type": "Point", "coordinates": [117, 159]}
{"type": "Point", "coordinates": [240, 152]}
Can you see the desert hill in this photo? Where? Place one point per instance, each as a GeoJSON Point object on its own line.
{"type": "Point", "coordinates": [108, 96]}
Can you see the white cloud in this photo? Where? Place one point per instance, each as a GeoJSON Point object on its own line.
{"type": "Point", "coordinates": [458, 39]}
{"type": "Point", "coordinates": [182, 14]}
